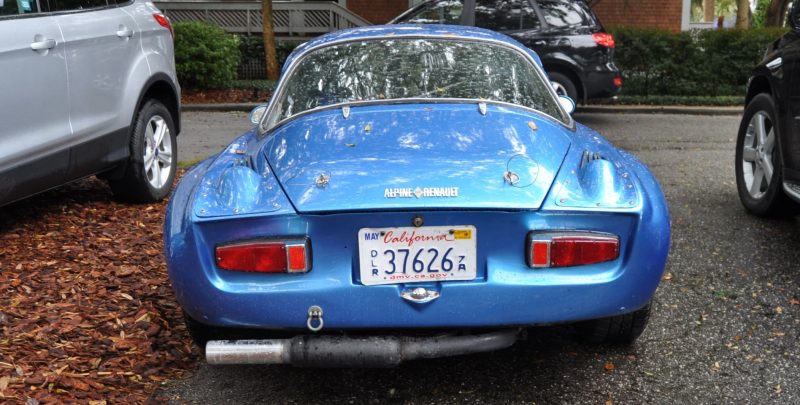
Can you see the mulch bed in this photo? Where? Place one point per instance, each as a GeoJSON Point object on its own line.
{"type": "Point", "coordinates": [254, 95]}
{"type": "Point", "coordinates": [87, 313]}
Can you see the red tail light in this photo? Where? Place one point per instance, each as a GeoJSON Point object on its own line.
{"type": "Point", "coordinates": [571, 249]}
{"type": "Point", "coordinates": [604, 39]}
{"type": "Point", "coordinates": [265, 257]}
{"type": "Point", "coordinates": [163, 21]}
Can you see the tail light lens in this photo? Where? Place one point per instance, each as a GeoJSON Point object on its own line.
{"type": "Point", "coordinates": [290, 256]}
{"type": "Point", "coordinates": [571, 249]}
{"type": "Point", "coordinates": [618, 81]}
{"type": "Point", "coordinates": [163, 21]}
{"type": "Point", "coordinates": [604, 39]}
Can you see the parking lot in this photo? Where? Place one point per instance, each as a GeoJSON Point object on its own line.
{"type": "Point", "coordinates": [724, 328]}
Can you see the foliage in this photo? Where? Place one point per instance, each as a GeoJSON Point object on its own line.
{"type": "Point", "coordinates": [205, 55]}
{"type": "Point", "coordinates": [252, 48]}
{"type": "Point", "coordinates": [760, 15]}
{"type": "Point", "coordinates": [693, 63]}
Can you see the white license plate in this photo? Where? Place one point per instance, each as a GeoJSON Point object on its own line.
{"type": "Point", "coordinates": [414, 255]}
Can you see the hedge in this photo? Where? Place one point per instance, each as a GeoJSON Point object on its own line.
{"type": "Point", "coordinates": [253, 65]}
{"type": "Point", "coordinates": [205, 55]}
{"type": "Point", "coordinates": [691, 63]}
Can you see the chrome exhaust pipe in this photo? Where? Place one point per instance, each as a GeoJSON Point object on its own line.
{"type": "Point", "coordinates": [248, 351]}
{"type": "Point", "coordinates": [356, 351]}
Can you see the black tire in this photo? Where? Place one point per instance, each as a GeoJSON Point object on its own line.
{"type": "Point", "coordinates": [565, 83]}
{"type": "Point", "coordinates": [621, 329]}
{"type": "Point", "coordinates": [199, 333]}
{"type": "Point", "coordinates": [764, 201]}
{"type": "Point", "coordinates": [135, 185]}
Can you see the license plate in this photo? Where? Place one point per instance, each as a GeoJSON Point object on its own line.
{"type": "Point", "coordinates": [414, 255]}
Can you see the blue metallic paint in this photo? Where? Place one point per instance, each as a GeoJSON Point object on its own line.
{"type": "Point", "coordinates": [415, 146]}
{"type": "Point", "coordinates": [238, 196]}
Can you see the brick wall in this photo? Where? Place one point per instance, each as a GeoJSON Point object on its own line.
{"type": "Point", "coordinates": [377, 11]}
{"type": "Point", "coordinates": [663, 14]}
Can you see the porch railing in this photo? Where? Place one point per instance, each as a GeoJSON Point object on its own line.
{"type": "Point", "coordinates": [290, 19]}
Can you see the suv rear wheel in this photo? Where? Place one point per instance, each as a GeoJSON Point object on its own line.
{"type": "Point", "coordinates": [151, 166]}
{"type": "Point", "coordinates": [563, 85]}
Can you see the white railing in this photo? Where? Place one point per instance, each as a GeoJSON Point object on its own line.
{"type": "Point", "coordinates": [289, 18]}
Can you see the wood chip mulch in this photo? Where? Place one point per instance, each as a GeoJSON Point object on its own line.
{"type": "Point", "coordinates": [87, 313]}
{"type": "Point", "coordinates": [190, 96]}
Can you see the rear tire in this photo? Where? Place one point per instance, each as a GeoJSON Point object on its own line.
{"type": "Point", "coordinates": [153, 159]}
{"type": "Point", "coordinates": [563, 85]}
{"type": "Point", "coordinates": [620, 329]}
{"type": "Point", "coordinates": [759, 168]}
{"type": "Point", "coordinates": [199, 333]}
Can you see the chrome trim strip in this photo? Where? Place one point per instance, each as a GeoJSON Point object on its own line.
{"type": "Point", "coordinates": [278, 93]}
{"type": "Point", "coordinates": [775, 63]}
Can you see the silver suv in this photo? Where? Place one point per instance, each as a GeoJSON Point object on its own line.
{"type": "Point", "coordinates": [87, 87]}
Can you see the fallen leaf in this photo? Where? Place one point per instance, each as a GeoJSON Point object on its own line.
{"type": "Point", "coordinates": [667, 276]}
{"type": "Point", "coordinates": [609, 366]}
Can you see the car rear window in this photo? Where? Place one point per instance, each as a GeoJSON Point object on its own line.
{"type": "Point", "coordinates": [564, 13]}
{"type": "Point", "coordinates": [386, 69]}
{"type": "Point", "coordinates": [505, 15]}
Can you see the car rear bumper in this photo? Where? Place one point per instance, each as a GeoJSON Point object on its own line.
{"type": "Point", "coordinates": [505, 293]}
{"type": "Point", "coordinates": [601, 83]}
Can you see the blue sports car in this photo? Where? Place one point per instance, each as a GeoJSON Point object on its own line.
{"type": "Point", "coordinates": [412, 192]}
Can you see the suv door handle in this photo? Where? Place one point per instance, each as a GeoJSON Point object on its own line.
{"type": "Point", "coordinates": [124, 32]}
{"type": "Point", "coordinates": [43, 45]}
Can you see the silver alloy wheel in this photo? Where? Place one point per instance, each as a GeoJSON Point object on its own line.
{"type": "Point", "coordinates": [157, 152]}
{"type": "Point", "coordinates": [560, 89]}
{"type": "Point", "coordinates": [757, 154]}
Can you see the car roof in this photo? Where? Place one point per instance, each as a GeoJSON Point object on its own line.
{"type": "Point", "coordinates": [408, 30]}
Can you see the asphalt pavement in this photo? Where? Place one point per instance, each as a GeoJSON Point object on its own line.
{"type": "Point", "coordinates": [724, 327]}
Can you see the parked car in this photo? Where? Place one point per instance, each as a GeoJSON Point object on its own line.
{"type": "Point", "coordinates": [89, 87]}
{"type": "Point", "coordinates": [768, 143]}
{"type": "Point", "coordinates": [576, 51]}
{"type": "Point", "coordinates": [412, 192]}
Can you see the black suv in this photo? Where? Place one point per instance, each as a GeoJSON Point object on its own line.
{"type": "Point", "coordinates": [576, 51]}
{"type": "Point", "coordinates": [768, 144]}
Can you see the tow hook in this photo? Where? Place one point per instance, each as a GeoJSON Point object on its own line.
{"type": "Point", "coordinates": [314, 316]}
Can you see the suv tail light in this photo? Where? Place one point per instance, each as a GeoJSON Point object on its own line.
{"type": "Point", "coordinates": [604, 39]}
{"type": "Point", "coordinates": [163, 21]}
{"type": "Point", "coordinates": [570, 249]}
{"type": "Point", "coordinates": [289, 256]}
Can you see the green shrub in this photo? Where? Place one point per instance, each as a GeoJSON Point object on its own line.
{"type": "Point", "coordinates": [205, 55]}
{"type": "Point", "coordinates": [692, 63]}
{"type": "Point", "coordinates": [252, 48]}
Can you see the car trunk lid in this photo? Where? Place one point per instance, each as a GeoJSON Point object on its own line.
{"type": "Point", "coordinates": [414, 156]}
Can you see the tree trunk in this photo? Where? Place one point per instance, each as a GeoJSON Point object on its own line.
{"type": "Point", "coordinates": [776, 10]}
{"type": "Point", "coordinates": [742, 14]}
{"type": "Point", "coordinates": [269, 40]}
{"type": "Point", "coordinates": [708, 11]}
